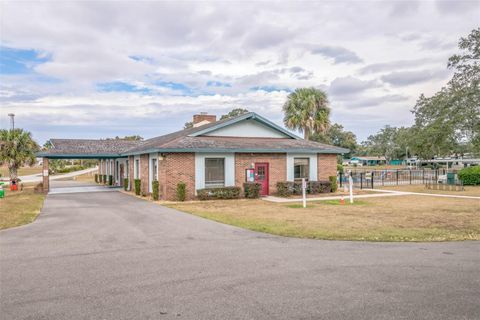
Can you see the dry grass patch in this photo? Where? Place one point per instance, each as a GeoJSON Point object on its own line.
{"type": "Point", "coordinates": [24, 171]}
{"type": "Point", "coordinates": [20, 207]}
{"type": "Point", "coordinates": [403, 218]}
{"type": "Point", "coordinates": [469, 190]}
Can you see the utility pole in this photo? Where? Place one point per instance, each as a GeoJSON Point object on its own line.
{"type": "Point", "coordinates": [12, 120]}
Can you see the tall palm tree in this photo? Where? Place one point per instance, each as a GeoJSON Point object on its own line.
{"type": "Point", "coordinates": [17, 148]}
{"type": "Point", "coordinates": [306, 109]}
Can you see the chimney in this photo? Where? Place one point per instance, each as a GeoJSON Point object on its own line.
{"type": "Point", "coordinates": [203, 118]}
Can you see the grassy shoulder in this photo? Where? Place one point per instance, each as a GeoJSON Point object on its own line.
{"type": "Point", "coordinates": [20, 207]}
{"type": "Point", "coordinates": [468, 190]}
{"type": "Point", "coordinates": [404, 218]}
{"type": "Point", "coordinates": [24, 171]}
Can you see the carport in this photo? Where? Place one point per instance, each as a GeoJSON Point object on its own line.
{"type": "Point", "coordinates": [107, 152]}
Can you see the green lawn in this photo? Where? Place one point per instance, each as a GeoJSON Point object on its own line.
{"type": "Point", "coordinates": [403, 218]}
{"type": "Point", "coordinates": [25, 171]}
{"type": "Point", "coordinates": [20, 207]}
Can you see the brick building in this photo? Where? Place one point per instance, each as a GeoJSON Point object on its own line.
{"type": "Point", "coordinates": [210, 154]}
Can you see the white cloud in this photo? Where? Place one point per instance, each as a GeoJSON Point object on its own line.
{"type": "Point", "coordinates": [371, 57]}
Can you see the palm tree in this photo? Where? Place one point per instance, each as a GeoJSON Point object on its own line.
{"type": "Point", "coordinates": [306, 109]}
{"type": "Point", "coordinates": [17, 148]}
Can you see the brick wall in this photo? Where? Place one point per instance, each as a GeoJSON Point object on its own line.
{"type": "Point", "coordinates": [144, 173]}
{"type": "Point", "coordinates": [277, 165]}
{"type": "Point", "coordinates": [179, 167]}
{"type": "Point", "coordinates": [131, 173]}
{"type": "Point", "coordinates": [162, 177]}
{"type": "Point", "coordinates": [327, 165]}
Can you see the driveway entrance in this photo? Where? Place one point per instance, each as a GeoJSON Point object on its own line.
{"type": "Point", "coordinates": [113, 256]}
{"type": "Point", "coordinates": [70, 186]}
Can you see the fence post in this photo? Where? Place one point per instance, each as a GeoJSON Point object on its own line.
{"type": "Point", "coordinates": [341, 179]}
{"type": "Point", "coordinates": [397, 177]}
{"type": "Point", "coordinates": [436, 175]}
{"type": "Point", "coordinates": [361, 180]}
{"type": "Point", "coordinates": [373, 174]}
{"type": "Point", "coordinates": [410, 176]}
{"type": "Point", "coordinates": [423, 176]}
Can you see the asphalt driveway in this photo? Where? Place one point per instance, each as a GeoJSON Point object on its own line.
{"type": "Point", "coordinates": [107, 255]}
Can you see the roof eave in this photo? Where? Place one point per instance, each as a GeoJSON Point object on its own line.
{"type": "Point", "coordinates": [238, 150]}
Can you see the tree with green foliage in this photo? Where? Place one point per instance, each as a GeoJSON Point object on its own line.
{"type": "Point", "coordinates": [390, 142]}
{"type": "Point", "coordinates": [234, 113]}
{"type": "Point", "coordinates": [449, 121]}
{"type": "Point", "coordinates": [337, 136]}
{"type": "Point", "coordinates": [306, 110]}
{"type": "Point", "coordinates": [17, 148]}
{"type": "Point", "coordinates": [130, 138]}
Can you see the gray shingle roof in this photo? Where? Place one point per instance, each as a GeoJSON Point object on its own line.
{"type": "Point", "coordinates": [90, 146]}
{"type": "Point", "coordinates": [191, 140]}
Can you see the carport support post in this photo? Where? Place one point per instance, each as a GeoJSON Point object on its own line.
{"type": "Point", "coordinates": [45, 175]}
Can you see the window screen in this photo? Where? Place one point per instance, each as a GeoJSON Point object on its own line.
{"type": "Point", "coordinates": [214, 172]}
{"type": "Point", "coordinates": [301, 168]}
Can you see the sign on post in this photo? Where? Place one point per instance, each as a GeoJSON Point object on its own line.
{"type": "Point", "coordinates": [304, 192]}
{"type": "Point", "coordinates": [45, 172]}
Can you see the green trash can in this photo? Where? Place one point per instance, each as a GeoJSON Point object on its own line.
{"type": "Point", "coordinates": [2, 192]}
{"type": "Point", "coordinates": [450, 178]}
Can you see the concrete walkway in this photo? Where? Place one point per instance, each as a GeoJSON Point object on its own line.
{"type": "Point", "coordinates": [108, 255]}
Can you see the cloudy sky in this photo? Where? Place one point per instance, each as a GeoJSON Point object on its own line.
{"type": "Point", "coordinates": [100, 69]}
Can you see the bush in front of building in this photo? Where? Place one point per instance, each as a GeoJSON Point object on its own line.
{"type": "Point", "coordinates": [333, 183]}
{"type": "Point", "coordinates": [287, 188]}
{"type": "Point", "coordinates": [181, 191]}
{"type": "Point", "coordinates": [137, 183]}
{"type": "Point", "coordinates": [104, 179]}
{"type": "Point", "coordinates": [125, 184]}
{"type": "Point", "coordinates": [155, 188]}
{"type": "Point", "coordinates": [110, 180]}
{"type": "Point", "coordinates": [219, 193]}
{"type": "Point", "coordinates": [470, 176]}
{"type": "Point", "coordinates": [96, 178]}
{"type": "Point", "coordinates": [251, 190]}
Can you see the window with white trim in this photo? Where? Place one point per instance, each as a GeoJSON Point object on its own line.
{"type": "Point", "coordinates": [154, 170]}
{"type": "Point", "coordinates": [214, 172]}
{"type": "Point", "coordinates": [301, 168]}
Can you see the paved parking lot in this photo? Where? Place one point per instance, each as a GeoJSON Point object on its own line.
{"type": "Point", "coordinates": [107, 255]}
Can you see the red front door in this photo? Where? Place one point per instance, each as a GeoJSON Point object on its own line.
{"type": "Point", "coordinates": [261, 176]}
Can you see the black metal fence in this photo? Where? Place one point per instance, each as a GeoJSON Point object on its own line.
{"type": "Point", "coordinates": [371, 179]}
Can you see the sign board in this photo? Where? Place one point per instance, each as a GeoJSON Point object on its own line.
{"type": "Point", "coordinates": [45, 173]}
{"type": "Point", "coordinates": [250, 175]}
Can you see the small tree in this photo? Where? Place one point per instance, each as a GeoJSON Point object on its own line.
{"type": "Point", "coordinates": [17, 148]}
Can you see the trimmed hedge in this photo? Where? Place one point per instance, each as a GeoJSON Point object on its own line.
{"type": "Point", "coordinates": [333, 183]}
{"type": "Point", "coordinates": [125, 184]}
{"type": "Point", "coordinates": [155, 190]}
{"type": "Point", "coordinates": [470, 176]}
{"type": "Point", "coordinates": [110, 180]}
{"type": "Point", "coordinates": [219, 193]}
{"type": "Point", "coordinates": [137, 183]}
{"type": "Point", "coordinates": [96, 178]}
{"type": "Point", "coordinates": [251, 190]}
{"type": "Point", "coordinates": [104, 179]}
{"type": "Point", "coordinates": [288, 188]}
{"type": "Point", "coordinates": [181, 191]}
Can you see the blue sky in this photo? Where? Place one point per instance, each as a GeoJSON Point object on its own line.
{"type": "Point", "coordinates": [82, 69]}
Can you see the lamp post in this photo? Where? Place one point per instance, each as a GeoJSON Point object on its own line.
{"type": "Point", "coordinates": [12, 120]}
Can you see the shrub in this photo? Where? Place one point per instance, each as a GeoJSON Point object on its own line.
{"type": "Point", "coordinates": [470, 176]}
{"type": "Point", "coordinates": [251, 190]}
{"type": "Point", "coordinates": [284, 188]}
{"type": "Point", "coordinates": [181, 191]}
{"type": "Point", "coordinates": [125, 184]}
{"type": "Point", "coordinates": [333, 183]}
{"type": "Point", "coordinates": [155, 190]}
{"type": "Point", "coordinates": [96, 178]}
{"type": "Point", "coordinates": [110, 180]}
{"type": "Point", "coordinates": [315, 187]}
{"type": "Point", "coordinates": [339, 168]}
{"type": "Point", "coordinates": [219, 193]}
{"type": "Point", "coordinates": [104, 179]}
{"type": "Point", "coordinates": [137, 183]}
